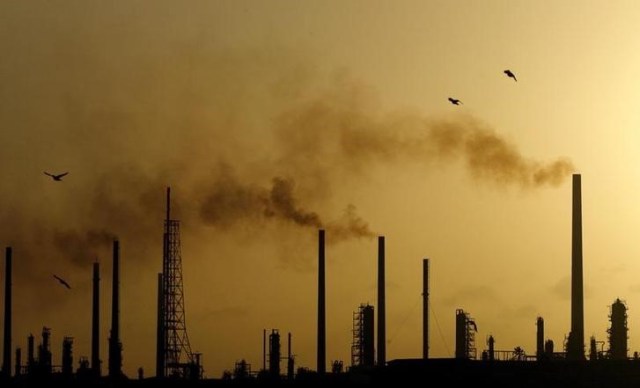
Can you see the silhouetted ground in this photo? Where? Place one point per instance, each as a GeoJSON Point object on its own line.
{"type": "Point", "coordinates": [409, 373]}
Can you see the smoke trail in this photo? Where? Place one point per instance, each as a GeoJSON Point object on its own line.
{"type": "Point", "coordinates": [230, 202]}
{"type": "Point", "coordinates": [340, 127]}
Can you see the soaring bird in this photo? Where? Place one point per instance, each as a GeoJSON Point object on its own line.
{"type": "Point", "coordinates": [55, 177]}
{"type": "Point", "coordinates": [510, 75]}
{"type": "Point", "coordinates": [62, 281]}
{"type": "Point", "coordinates": [454, 101]}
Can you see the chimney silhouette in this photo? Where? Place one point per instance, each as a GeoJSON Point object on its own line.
{"type": "Point", "coordinates": [575, 342]}
{"type": "Point", "coordinates": [6, 355]}
{"type": "Point", "coordinates": [382, 348]}
{"type": "Point", "coordinates": [322, 342]}
{"type": "Point", "coordinates": [115, 347]}
{"type": "Point", "coordinates": [425, 309]}
{"type": "Point", "coordinates": [95, 321]}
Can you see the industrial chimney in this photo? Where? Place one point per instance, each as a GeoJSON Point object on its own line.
{"type": "Point", "coordinates": [322, 343]}
{"type": "Point", "coordinates": [95, 321]}
{"type": "Point", "coordinates": [539, 338]}
{"type": "Point", "coordinates": [6, 360]}
{"type": "Point", "coordinates": [575, 342]}
{"type": "Point", "coordinates": [115, 347]}
{"type": "Point", "coordinates": [382, 349]}
{"type": "Point", "coordinates": [425, 309]}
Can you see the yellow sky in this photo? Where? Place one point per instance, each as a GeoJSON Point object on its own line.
{"type": "Point", "coordinates": [335, 96]}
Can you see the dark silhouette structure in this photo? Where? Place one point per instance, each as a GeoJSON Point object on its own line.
{"type": "Point", "coordinates": [425, 309]}
{"type": "Point", "coordinates": [160, 331]}
{"type": "Point", "coordinates": [290, 360]}
{"type": "Point", "coordinates": [575, 342]}
{"type": "Point", "coordinates": [18, 368]}
{"type": "Point", "coordinates": [382, 327]}
{"type": "Point", "coordinates": [95, 321]}
{"type": "Point", "coordinates": [465, 336]}
{"type": "Point", "coordinates": [6, 353]}
{"type": "Point", "coordinates": [174, 355]}
{"type": "Point", "coordinates": [539, 338]}
{"type": "Point", "coordinates": [44, 366]}
{"type": "Point", "coordinates": [322, 329]}
{"type": "Point", "coordinates": [115, 346]}
{"type": "Point", "coordinates": [491, 354]}
{"type": "Point", "coordinates": [56, 177]}
{"type": "Point", "coordinates": [362, 348]}
{"type": "Point", "coordinates": [618, 331]}
{"type": "Point", "coordinates": [274, 353]}
{"type": "Point", "coordinates": [67, 357]}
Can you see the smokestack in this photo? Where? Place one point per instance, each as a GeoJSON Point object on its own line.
{"type": "Point", "coordinates": [540, 339]}
{"type": "Point", "coordinates": [18, 370]}
{"type": "Point", "coordinates": [30, 354]}
{"type": "Point", "coordinates": [575, 343]}
{"type": "Point", "coordinates": [382, 349]}
{"type": "Point", "coordinates": [160, 339]}
{"type": "Point", "coordinates": [321, 358]}
{"type": "Point", "coordinates": [67, 357]}
{"type": "Point", "coordinates": [6, 359]}
{"type": "Point", "coordinates": [115, 347]}
{"type": "Point", "coordinates": [95, 321]}
{"type": "Point", "coordinates": [264, 349]}
{"type": "Point", "coordinates": [425, 309]}
{"type": "Point", "coordinates": [290, 365]}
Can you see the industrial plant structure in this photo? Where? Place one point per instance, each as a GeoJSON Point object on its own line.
{"type": "Point", "coordinates": [176, 362]}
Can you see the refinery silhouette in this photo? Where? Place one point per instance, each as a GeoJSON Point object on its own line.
{"type": "Point", "coordinates": [567, 364]}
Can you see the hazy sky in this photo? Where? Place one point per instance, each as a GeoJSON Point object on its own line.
{"type": "Point", "coordinates": [271, 118]}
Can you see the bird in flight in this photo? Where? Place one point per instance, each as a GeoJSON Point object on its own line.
{"type": "Point", "coordinates": [62, 281]}
{"type": "Point", "coordinates": [510, 75]}
{"type": "Point", "coordinates": [56, 177]}
{"type": "Point", "coordinates": [454, 101]}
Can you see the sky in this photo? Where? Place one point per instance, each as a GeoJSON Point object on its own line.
{"type": "Point", "coordinates": [271, 119]}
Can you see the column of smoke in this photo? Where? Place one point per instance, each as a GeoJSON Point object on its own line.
{"type": "Point", "coordinates": [315, 140]}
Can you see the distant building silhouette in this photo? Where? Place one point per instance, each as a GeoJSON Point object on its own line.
{"type": "Point", "coordinates": [362, 347]}
{"type": "Point", "coordinates": [618, 331]}
{"type": "Point", "coordinates": [465, 335]}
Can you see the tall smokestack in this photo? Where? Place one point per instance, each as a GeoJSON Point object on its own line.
{"type": "Point", "coordinates": [160, 338]}
{"type": "Point", "coordinates": [539, 338]}
{"type": "Point", "coordinates": [95, 321]}
{"type": "Point", "coordinates": [6, 356]}
{"type": "Point", "coordinates": [425, 309]}
{"type": "Point", "coordinates": [575, 343]}
{"type": "Point", "coordinates": [322, 342]}
{"type": "Point", "coordinates": [382, 348]}
{"type": "Point", "coordinates": [115, 347]}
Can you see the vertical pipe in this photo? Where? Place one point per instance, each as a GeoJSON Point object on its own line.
{"type": "Point", "coordinates": [30, 354]}
{"type": "Point", "coordinates": [160, 343]}
{"type": "Point", "coordinates": [6, 360]}
{"type": "Point", "coordinates": [576, 336]}
{"type": "Point", "coordinates": [95, 321]}
{"type": "Point", "coordinates": [289, 360]}
{"type": "Point", "coordinates": [540, 339]}
{"type": "Point", "coordinates": [425, 309]}
{"type": "Point", "coordinates": [321, 357]}
{"type": "Point", "coordinates": [115, 357]}
{"type": "Point", "coordinates": [264, 349]}
{"type": "Point", "coordinates": [382, 349]}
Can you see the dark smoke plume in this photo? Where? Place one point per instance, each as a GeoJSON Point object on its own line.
{"type": "Point", "coordinates": [230, 202]}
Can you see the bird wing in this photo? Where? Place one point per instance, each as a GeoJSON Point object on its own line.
{"type": "Point", "coordinates": [62, 281]}
{"type": "Point", "coordinates": [61, 175]}
{"type": "Point", "coordinates": [46, 173]}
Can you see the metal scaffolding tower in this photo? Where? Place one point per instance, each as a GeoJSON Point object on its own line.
{"type": "Point", "coordinates": [465, 335]}
{"type": "Point", "coordinates": [177, 359]}
{"type": "Point", "coordinates": [362, 349]}
{"type": "Point", "coordinates": [618, 331]}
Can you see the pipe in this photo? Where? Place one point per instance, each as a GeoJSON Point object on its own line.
{"type": "Point", "coordinates": [575, 346]}
{"type": "Point", "coordinates": [382, 349]}
{"type": "Point", "coordinates": [160, 338]}
{"type": "Point", "coordinates": [115, 355]}
{"type": "Point", "coordinates": [6, 360]}
{"type": "Point", "coordinates": [425, 309]}
{"type": "Point", "coordinates": [321, 357]}
{"type": "Point", "coordinates": [95, 321]}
